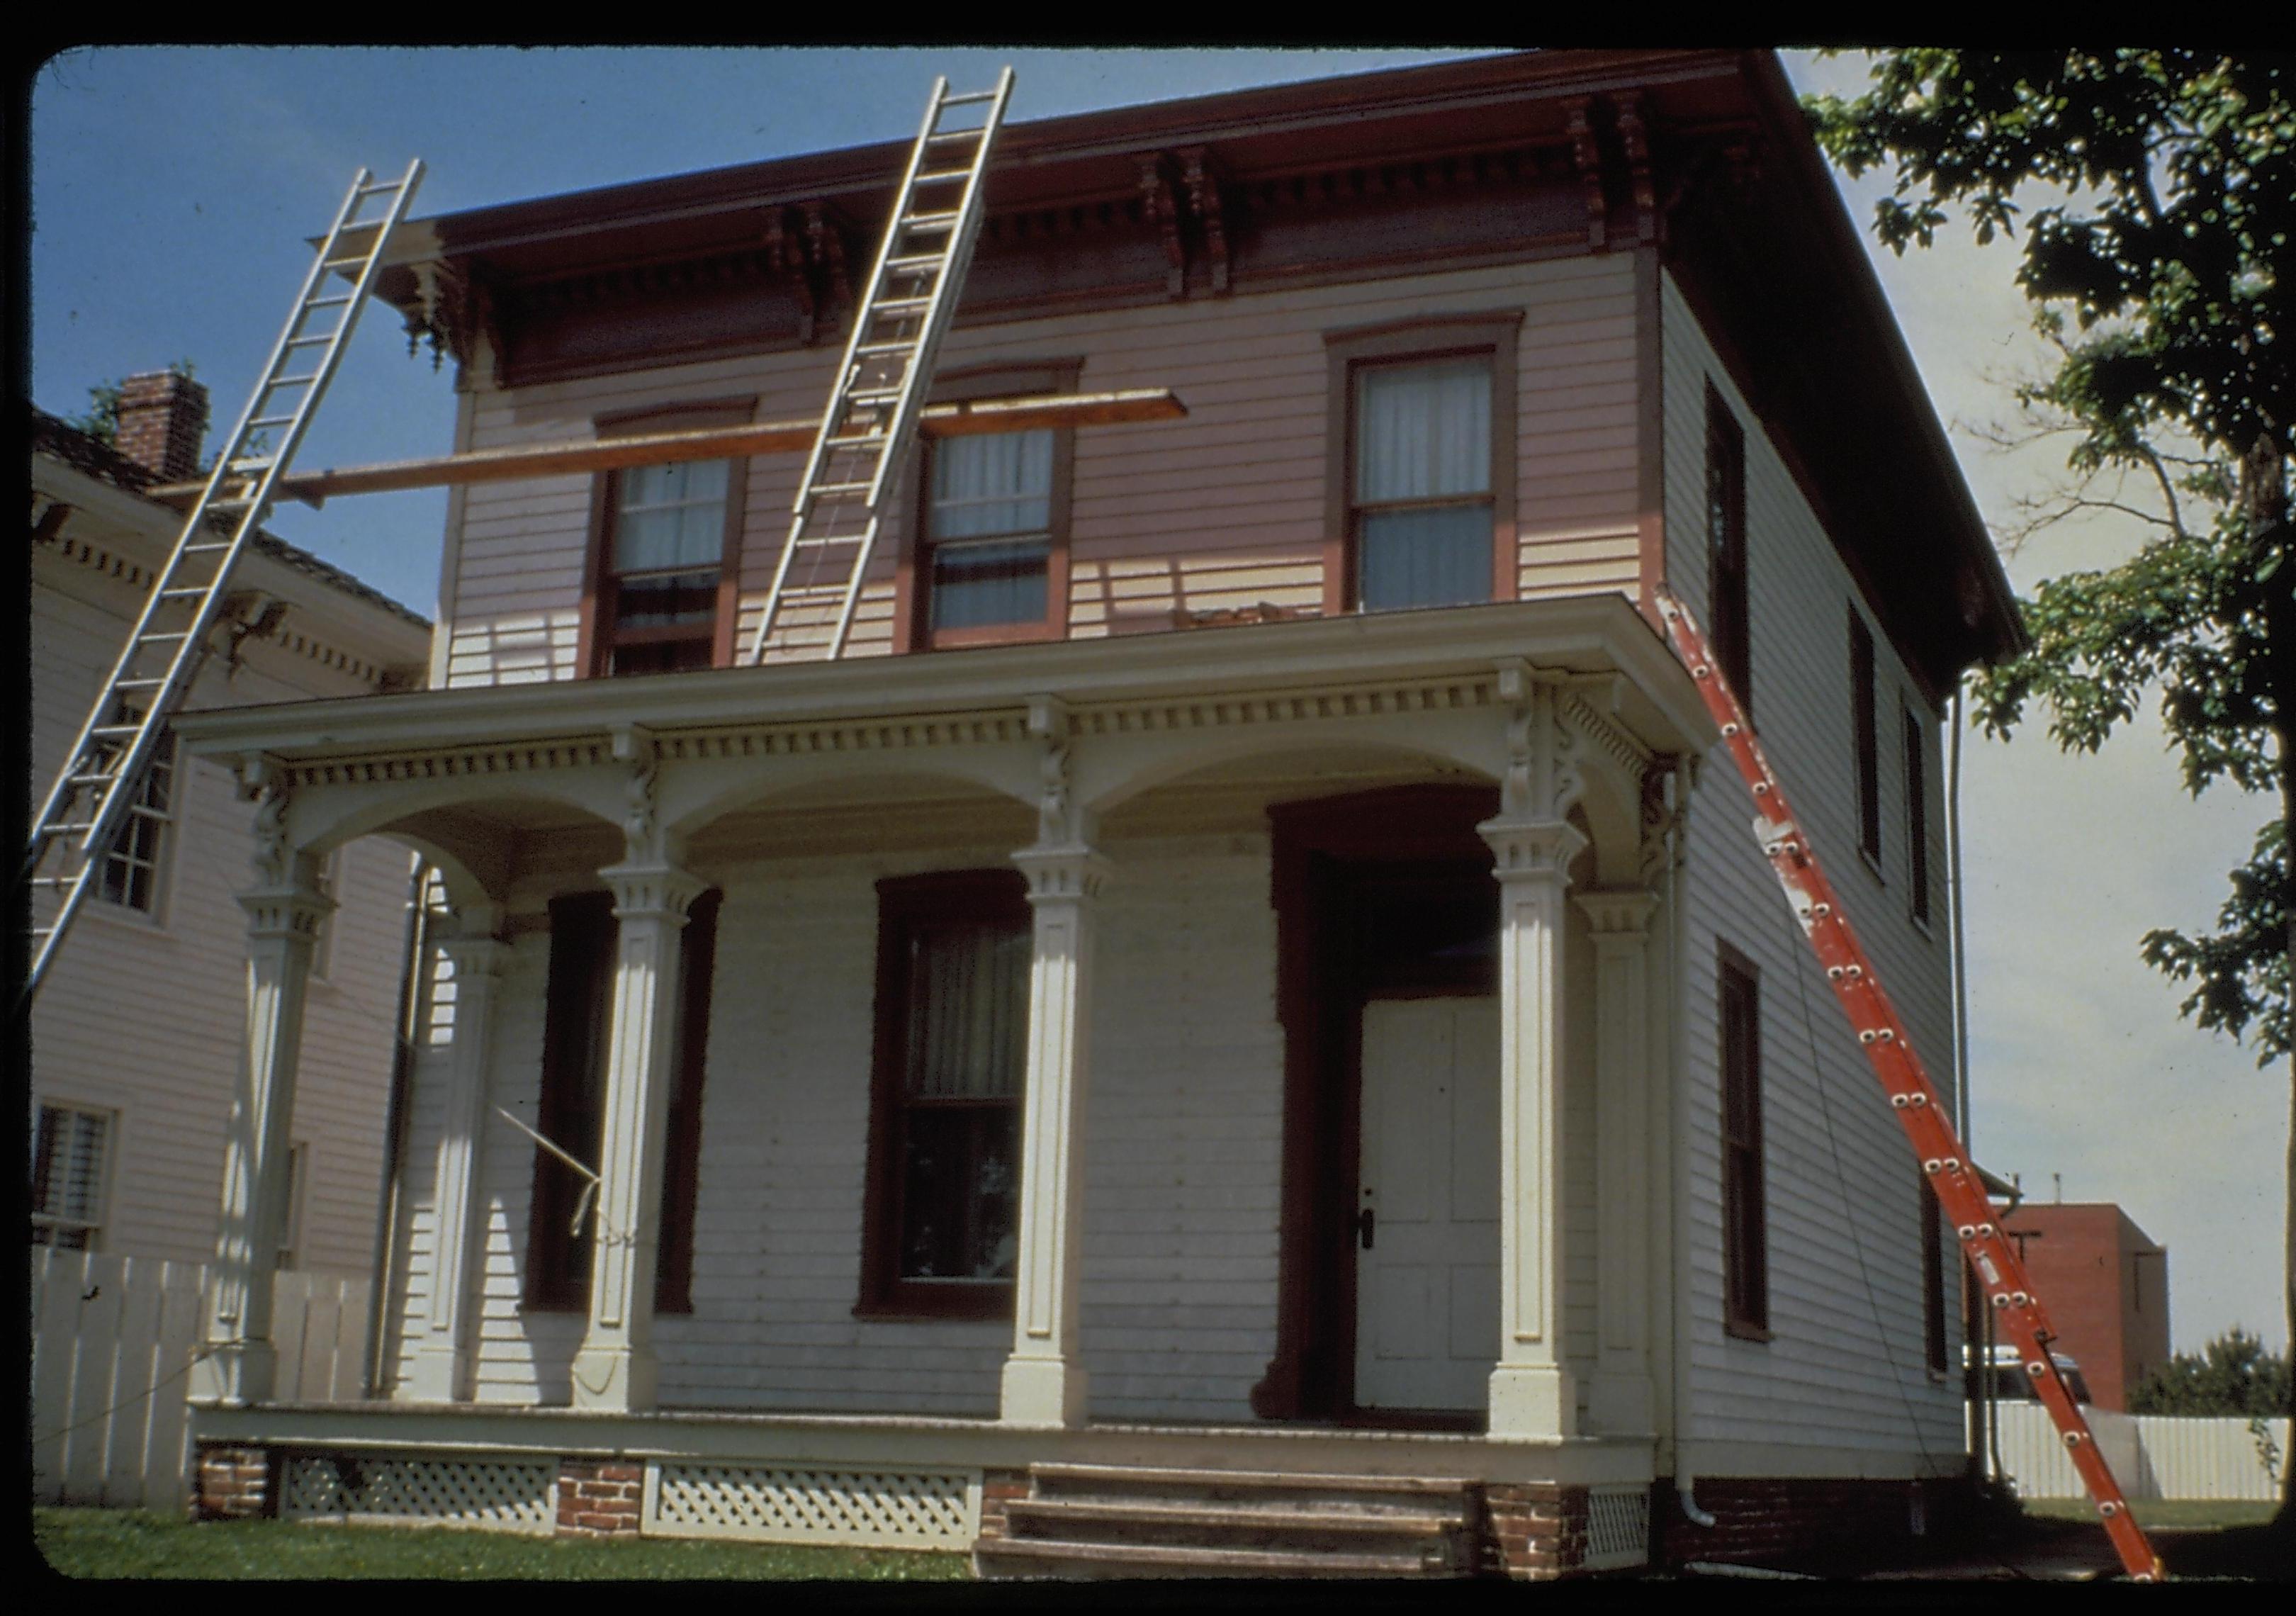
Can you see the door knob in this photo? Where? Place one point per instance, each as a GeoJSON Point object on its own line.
{"type": "Point", "coordinates": [1366, 1225]}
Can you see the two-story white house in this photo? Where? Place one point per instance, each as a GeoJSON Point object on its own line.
{"type": "Point", "coordinates": [139, 1030]}
{"type": "Point", "coordinates": [1246, 988]}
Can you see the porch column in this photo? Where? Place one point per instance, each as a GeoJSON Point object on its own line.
{"type": "Point", "coordinates": [440, 1366]}
{"type": "Point", "coordinates": [283, 916]}
{"type": "Point", "coordinates": [1044, 1383]}
{"type": "Point", "coordinates": [1531, 1390]}
{"type": "Point", "coordinates": [615, 1367]}
{"type": "Point", "coordinates": [1620, 1399]}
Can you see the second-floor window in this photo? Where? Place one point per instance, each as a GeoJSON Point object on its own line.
{"type": "Point", "coordinates": [1865, 728]}
{"type": "Point", "coordinates": [1917, 818]}
{"type": "Point", "coordinates": [1421, 492]}
{"type": "Point", "coordinates": [132, 870]}
{"type": "Point", "coordinates": [988, 532]}
{"type": "Point", "coordinates": [1725, 547]}
{"type": "Point", "coordinates": [1423, 484]}
{"type": "Point", "coordinates": [666, 551]}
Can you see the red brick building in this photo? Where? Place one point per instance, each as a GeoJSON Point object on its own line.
{"type": "Point", "coordinates": [2105, 1284]}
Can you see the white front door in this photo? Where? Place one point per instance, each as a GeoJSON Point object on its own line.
{"type": "Point", "coordinates": [1427, 1205]}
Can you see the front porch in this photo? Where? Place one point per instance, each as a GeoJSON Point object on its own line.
{"type": "Point", "coordinates": [876, 1480]}
{"type": "Point", "coordinates": [832, 1211]}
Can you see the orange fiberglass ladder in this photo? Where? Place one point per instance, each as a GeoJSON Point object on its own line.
{"type": "Point", "coordinates": [2016, 1310]}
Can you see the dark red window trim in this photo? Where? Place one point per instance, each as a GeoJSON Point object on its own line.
{"type": "Point", "coordinates": [1442, 337]}
{"type": "Point", "coordinates": [598, 641]}
{"type": "Point", "coordinates": [571, 1110]}
{"type": "Point", "coordinates": [913, 627]}
{"type": "Point", "coordinates": [1745, 1218]}
{"type": "Point", "coordinates": [904, 903]}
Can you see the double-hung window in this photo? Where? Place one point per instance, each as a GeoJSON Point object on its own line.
{"type": "Point", "coordinates": [1745, 1216]}
{"type": "Point", "coordinates": [1865, 726]}
{"type": "Point", "coordinates": [666, 549]}
{"type": "Point", "coordinates": [1726, 626]}
{"type": "Point", "coordinates": [941, 1235]}
{"type": "Point", "coordinates": [990, 562]}
{"type": "Point", "coordinates": [1424, 430]}
{"type": "Point", "coordinates": [1917, 817]}
{"type": "Point", "coordinates": [133, 867]}
{"type": "Point", "coordinates": [71, 1148]}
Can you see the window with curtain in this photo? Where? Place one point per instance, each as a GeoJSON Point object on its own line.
{"type": "Point", "coordinates": [665, 564]}
{"type": "Point", "coordinates": [989, 530]}
{"type": "Point", "coordinates": [944, 1137]}
{"type": "Point", "coordinates": [1421, 495]}
{"type": "Point", "coordinates": [68, 1151]}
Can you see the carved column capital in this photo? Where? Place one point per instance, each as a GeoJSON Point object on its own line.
{"type": "Point", "coordinates": [293, 911]}
{"type": "Point", "coordinates": [1532, 850]}
{"type": "Point", "coordinates": [1071, 873]}
{"type": "Point", "coordinates": [1618, 916]}
{"type": "Point", "coordinates": [651, 890]}
{"type": "Point", "coordinates": [475, 955]}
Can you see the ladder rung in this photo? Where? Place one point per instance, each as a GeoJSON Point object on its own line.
{"type": "Point", "coordinates": [872, 350]}
{"type": "Point", "coordinates": [839, 490]}
{"type": "Point", "coordinates": [917, 265]}
{"type": "Point", "coordinates": [818, 541]}
{"type": "Point", "coordinates": [942, 176]}
{"type": "Point", "coordinates": [334, 302]}
{"type": "Point", "coordinates": [886, 305]}
{"type": "Point", "coordinates": [145, 639]}
{"type": "Point", "coordinates": [264, 421]}
{"type": "Point", "coordinates": [930, 221]}
{"type": "Point", "coordinates": [860, 440]}
{"type": "Point", "coordinates": [138, 683]}
{"type": "Point", "coordinates": [92, 779]}
{"type": "Point", "coordinates": [197, 593]}
{"type": "Point", "coordinates": [970, 98]}
{"type": "Point", "coordinates": [116, 729]}
{"type": "Point", "coordinates": [874, 395]}
{"type": "Point", "coordinates": [210, 549]}
{"type": "Point", "coordinates": [379, 187]}
{"type": "Point", "coordinates": [311, 339]}
{"type": "Point", "coordinates": [954, 135]}
{"type": "Point", "coordinates": [54, 881]}
{"type": "Point", "coordinates": [291, 382]}
{"type": "Point", "coordinates": [78, 828]}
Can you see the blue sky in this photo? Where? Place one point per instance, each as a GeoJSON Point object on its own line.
{"type": "Point", "coordinates": [173, 189]}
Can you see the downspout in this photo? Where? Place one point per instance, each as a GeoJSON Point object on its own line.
{"type": "Point", "coordinates": [1678, 1158]}
{"type": "Point", "coordinates": [1977, 1324]}
{"type": "Point", "coordinates": [395, 1119]}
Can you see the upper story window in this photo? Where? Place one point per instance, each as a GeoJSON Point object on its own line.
{"type": "Point", "coordinates": [939, 1232]}
{"type": "Point", "coordinates": [990, 564]}
{"type": "Point", "coordinates": [132, 870]}
{"type": "Point", "coordinates": [666, 548]}
{"type": "Point", "coordinates": [69, 1153]}
{"type": "Point", "coordinates": [1725, 548]}
{"type": "Point", "coordinates": [1422, 445]}
{"type": "Point", "coordinates": [1866, 727]}
{"type": "Point", "coordinates": [1917, 817]}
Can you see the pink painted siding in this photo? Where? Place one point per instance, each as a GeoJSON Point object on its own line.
{"type": "Point", "coordinates": [1223, 510]}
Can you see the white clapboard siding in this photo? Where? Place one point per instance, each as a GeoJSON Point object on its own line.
{"type": "Point", "coordinates": [1183, 1172]}
{"type": "Point", "coordinates": [2151, 1456]}
{"type": "Point", "coordinates": [112, 1339]}
{"type": "Point", "coordinates": [1224, 509]}
{"type": "Point", "coordinates": [1846, 1356]}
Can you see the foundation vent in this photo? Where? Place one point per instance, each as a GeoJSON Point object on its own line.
{"type": "Point", "coordinates": [1618, 1528]}
{"type": "Point", "coordinates": [872, 1509]}
{"type": "Point", "coordinates": [501, 1495]}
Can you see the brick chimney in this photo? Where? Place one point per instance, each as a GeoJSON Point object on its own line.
{"type": "Point", "coordinates": [162, 419]}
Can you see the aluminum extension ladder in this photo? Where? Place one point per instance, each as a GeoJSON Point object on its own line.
{"type": "Point", "coordinates": [898, 325]}
{"type": "Point", "coordinates": [1882, 1034]}
{"type": "Point", "coordinates": [102, 783]}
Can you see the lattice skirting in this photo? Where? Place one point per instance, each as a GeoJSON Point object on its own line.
{"type": "Point", "coordinates": [1618, 1528]}
{"type": "Point", "coordinates": [864, 1508]}
{"type": "Point", "coordinates": [500, 1495]}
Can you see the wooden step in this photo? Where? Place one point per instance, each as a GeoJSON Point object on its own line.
{"type": "Point", "coordinates": [1072, 1513]}
{"type": "Point", "coordinates": [1130, 1475]}
{"type": "Point", "coordinates": [1036, 1557]}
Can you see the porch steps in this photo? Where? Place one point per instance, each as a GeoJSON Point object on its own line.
{"type": "Point", "coordinates": [1083, 1521]}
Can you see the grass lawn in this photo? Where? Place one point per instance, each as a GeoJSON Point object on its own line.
{"type": "Point", "coordinates": [118, 1542]}
{"type": "Point", "coordinates": [2162, 1514]}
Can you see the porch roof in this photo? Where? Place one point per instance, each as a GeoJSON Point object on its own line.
{"type": "Point", "coordinates": [1651, 695]}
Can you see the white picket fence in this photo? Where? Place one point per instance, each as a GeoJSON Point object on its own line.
{"type": "Point", "coordinates": [2153, 1456]}
{"type": "Point", "coordinates": [111, 1350]}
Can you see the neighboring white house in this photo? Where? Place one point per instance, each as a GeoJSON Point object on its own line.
{"type": "Point", "coordinates": [1254, 963]}
{"type": "Point", "coordinates": [138, 1034]}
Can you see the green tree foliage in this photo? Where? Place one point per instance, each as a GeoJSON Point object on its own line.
{"type": "Point", "coordinates": [2232, 1374]}
{"type": "Point", "coordinates": [2156, 192]}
